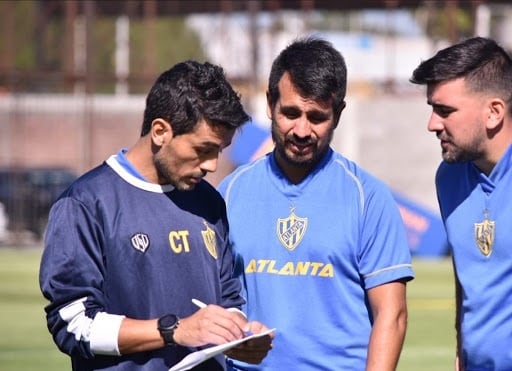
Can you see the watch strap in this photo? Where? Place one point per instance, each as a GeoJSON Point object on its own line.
{"type": "Point", "coordinates": [167, 324]}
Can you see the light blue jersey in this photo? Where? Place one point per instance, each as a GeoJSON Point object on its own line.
{"type": "Point", "coordinates": [477, 211]}
{"type": "Point", "coordinates": [309, 252]}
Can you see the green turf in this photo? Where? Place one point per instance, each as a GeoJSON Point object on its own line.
{"type": "Point", "coordinates": [25, 343]}
{"type": "Point", "coordinates": [430, 340]}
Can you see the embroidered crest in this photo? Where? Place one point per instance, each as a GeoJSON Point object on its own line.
{"type": "Point", "coordinates": [140, 241]}
{"type": "Point", "coordinates": [291, 230]}
{"type": "Point", "coordinates": [209, 240]}
{"type": "Point", "coordinates": [484, 235]}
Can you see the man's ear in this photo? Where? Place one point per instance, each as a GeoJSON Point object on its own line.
{"type": "Point", "coordinates": [161, 132]}
{"type": "Point", "coordinates": [496, 113]}
{"type": "Point", "coordinates": [269, 106]}
{"type": "Point", "coordinates": [343, 104]}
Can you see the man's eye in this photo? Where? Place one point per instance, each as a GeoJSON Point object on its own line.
{"type": "Point", "coordinates": [291, 115]}
{"type": "Point", "coordinates": [443, 112]}
{"type": "Point", "coordinates": [206, 151]}
{"type": "Point", "coordinates": [317, 119]}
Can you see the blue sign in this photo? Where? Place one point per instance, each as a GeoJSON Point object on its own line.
{"type": "Point", "coordinates": [425, 230]}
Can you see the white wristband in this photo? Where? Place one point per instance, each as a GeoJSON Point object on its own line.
{"type": "Point", "coordinates": [104, 334]}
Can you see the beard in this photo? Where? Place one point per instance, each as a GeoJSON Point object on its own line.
{"type": "Point", "coordinates": [453, 153]}
{"type": "Point", "coordinates": [459, 155]}
{"type": "Point", "coordinates": [166, 176]}
{"type": "Point", "coordinates": [293, 158]}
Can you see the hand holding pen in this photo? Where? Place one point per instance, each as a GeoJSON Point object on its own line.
{"type": "Point", "coordinates": [201, 305]}
{"type": "Point", "coordinates": [210, 325]}
{"type": "Point", "coordinates": [254, 350]}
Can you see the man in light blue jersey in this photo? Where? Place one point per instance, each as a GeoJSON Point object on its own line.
{"type": "Point", "coordinates": [469, 86]}
{"type": "Point", "coordinates": [320, 244]}
{"type": "Point", "coordinates": [132, 242]}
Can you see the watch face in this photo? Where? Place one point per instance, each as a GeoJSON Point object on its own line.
{"type": "Point", "coordinates": [169, 320]}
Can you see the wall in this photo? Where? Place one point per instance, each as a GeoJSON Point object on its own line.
{"type": "Point", "coordinates": [72, 131]}
{"type": "Point", "coordinates": [385, 134]}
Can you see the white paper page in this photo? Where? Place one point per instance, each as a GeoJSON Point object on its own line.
{"type": "Point", "coordinates": [193, 359]}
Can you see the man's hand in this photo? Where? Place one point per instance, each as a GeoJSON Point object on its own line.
{"type": "Point", "coordinates": [254, 350]}
{"type": "Point", "coordinates": [210, 325]}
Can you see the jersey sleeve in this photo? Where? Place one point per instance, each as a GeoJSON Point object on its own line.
{"type": "Point", "coordinates": [230, 284]}
{"type": "Point", "coordinates": [385, 255]}
{"type": "Point", "coordinates": [71, 275]}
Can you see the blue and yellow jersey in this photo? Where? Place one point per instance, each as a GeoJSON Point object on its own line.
{"type": "Point", "coordinates": [477, 212]}
{"type": "Point", "coordinates": [308, 252]}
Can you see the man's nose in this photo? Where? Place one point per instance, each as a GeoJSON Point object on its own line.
{"type": "Point", "coordinates": [435, 123]}
{"type": "Point", "coordinates": [302, 128]}
{"type": "Point", "coordinates": [210, 165]}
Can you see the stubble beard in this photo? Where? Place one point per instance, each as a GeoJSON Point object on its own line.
{"type": "Point", "coordinates": [455, 154]}
{"type": "Point", "coordinates": [164, 174]}
{"type": "Point", "coordinates": [290, 157]}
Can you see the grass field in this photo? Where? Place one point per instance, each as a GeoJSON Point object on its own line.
{"type": "Point", "coordinates": [25, 343]}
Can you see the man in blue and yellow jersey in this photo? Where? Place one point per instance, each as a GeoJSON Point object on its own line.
{"type": "Point", "coordinates": [321, 246]}
{"type": "Point", "coordinates": [469, 86]}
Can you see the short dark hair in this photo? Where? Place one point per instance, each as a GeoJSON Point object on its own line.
{"type": "Point", "coordinates": [485, 66]}
{"type": "Point", "coordinates": [191, 91]}
{"type": "Point", "coordinates": [315, 67]}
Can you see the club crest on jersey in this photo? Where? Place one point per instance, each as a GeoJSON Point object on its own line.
{"type": "Point", "coordinates": [484, 235]}
{"type": "Point", "coordinates": [140, 241]}
{"type": "Point", "coordinates": [291, 230]}
{"type": "Point", "coordinates": [209, 240]}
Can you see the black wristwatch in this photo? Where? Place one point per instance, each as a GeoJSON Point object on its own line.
{"type": "Point", "coordinates": [166, 325]}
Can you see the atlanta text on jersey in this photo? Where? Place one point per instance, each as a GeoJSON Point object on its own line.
{"type": "Point", "coordinates": [299, 268]}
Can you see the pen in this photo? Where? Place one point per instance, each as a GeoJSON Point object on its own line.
{"type": "Point", "coordinates": [199, 303]}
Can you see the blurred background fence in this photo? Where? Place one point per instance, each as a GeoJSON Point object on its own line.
{"type": "Point", "coordinates": [74, 74]}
